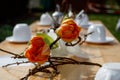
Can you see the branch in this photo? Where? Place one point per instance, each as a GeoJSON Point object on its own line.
{"type": "Point", "coordinates": [71, 44]}
{"type": "Point", "coordinates": [85, 36]}
{"type": "Point", "coordinates": [15, 55]}
{"type": "Point", "coordinates": [56, 61]}
{"type": "Point", "coordinates": [58, 38]}
{"type": "Point", "coordinates": [16, 63]}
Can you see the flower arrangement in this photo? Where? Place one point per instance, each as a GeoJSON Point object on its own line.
{"type": "Point", "coordinates": [40, 46]}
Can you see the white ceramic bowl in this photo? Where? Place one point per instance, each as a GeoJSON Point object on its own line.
{"type": "Point", "coordinates": [109, 71]}
{"type": "Point", "coordinates": [45, 19]}
{"type": "Point", "coordinates": [82, 21]}
{"type": "Point", "coordinates": [21, 33]}
{"type": "Point", "coordinates": [98, 35]}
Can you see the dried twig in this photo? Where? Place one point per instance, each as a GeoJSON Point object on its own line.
{"type": "Point", "coordinates": [56, 61]}
{"type": "Point", "coordinates": [85, 36]}
{"type": "Point", "coordinates": [15, 55]}
{"type": "Point", "coordinates": [71, 44]}
{"type": "Point", "coordinates": [16, 63]}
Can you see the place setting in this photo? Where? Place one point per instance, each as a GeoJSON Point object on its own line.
{"type": "Point", "coordinates": [21, 34]}
{"type": "Point", "coordinates": [98, 35]}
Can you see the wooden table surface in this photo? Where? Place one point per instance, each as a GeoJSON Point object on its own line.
{"type": "Point", "coordinates": [98, 53]}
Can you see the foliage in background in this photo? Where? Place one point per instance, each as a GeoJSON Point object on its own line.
{"type": "Point", "coordinates": [5, 30]}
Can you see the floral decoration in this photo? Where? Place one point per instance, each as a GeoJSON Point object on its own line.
{"type": "Point", "coordinates": [38, 51]}
{"type": "Point", "coordinates": [68, 30]}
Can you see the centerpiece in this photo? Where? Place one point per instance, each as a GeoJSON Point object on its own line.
{"type": "Point", "coordinates": [40, 48]}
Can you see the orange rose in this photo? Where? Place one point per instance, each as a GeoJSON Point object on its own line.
{"type": "Point", "coordinates": [37, 41]}
{"type": "Point", "coordinates": [68, 21]}
{"type": "Point", "coordinates": [68, 31]}
{"type": "Point", "coordinates": [38, 51]}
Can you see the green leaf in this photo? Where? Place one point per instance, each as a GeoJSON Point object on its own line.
{"type": "Point", "coordinates": [48, 40]}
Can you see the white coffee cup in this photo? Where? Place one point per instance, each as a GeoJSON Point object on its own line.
{"type": "Point", "coordinates": [58, 16]}
{"type": "Point", "coordinates": [45, 19]}
{"type": "Point", "coordinates": [83, 20]}
{"type": "Point", "coordinates": [21, 32]}
{"type": "Point", "coordinates": [109, 71]}
{"type": "Point", "coordinates": [98, 33]}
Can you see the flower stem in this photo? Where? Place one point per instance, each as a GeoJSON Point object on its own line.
{"type": "Point", "coordinates": [58, 38]}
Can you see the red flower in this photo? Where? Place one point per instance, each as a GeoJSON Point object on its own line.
{"type": "Point", "coordinates": [68, 30]}
{"type": "Point", "coordinates": [38, 51]}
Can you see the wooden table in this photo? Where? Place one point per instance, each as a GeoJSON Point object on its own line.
{"type": "Point", "coordinates": [99, 54]}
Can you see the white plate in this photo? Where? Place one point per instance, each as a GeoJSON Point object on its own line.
{"type": "Point", "coordinates": [11, 39]}
{"type": "Point", "coordinates": [108, 40]}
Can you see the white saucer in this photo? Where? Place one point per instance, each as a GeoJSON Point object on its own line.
{"type": "Point", "coordinates": [12, 39]}
{"type": "Point", "coordinates": [108, 40]}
